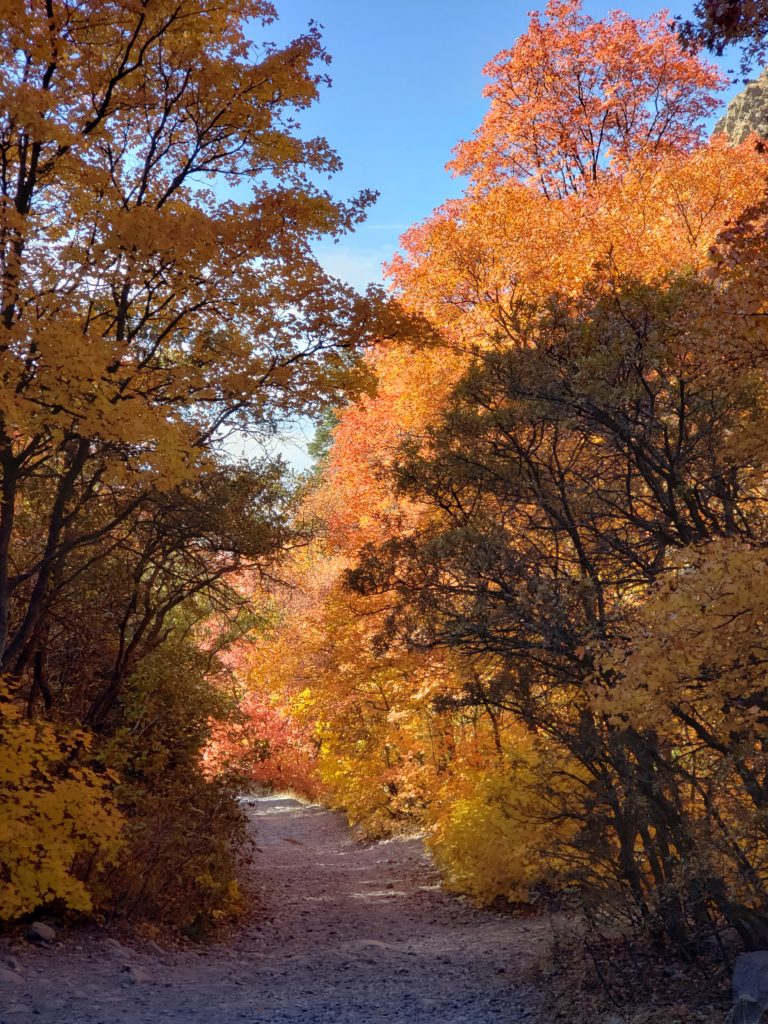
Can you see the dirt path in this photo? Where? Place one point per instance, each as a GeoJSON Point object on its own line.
{"type": "Point", "coordinates": [353, 934]}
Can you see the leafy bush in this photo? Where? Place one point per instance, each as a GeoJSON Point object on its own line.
{"type": "Point", "coordinates": [487, 831]}
{"type": "Point", "coordinates": [184, 828]}
{"type": "Point", "coordinates": [59, 823]}
{"type": "Point", "coordinates": [181, 872]}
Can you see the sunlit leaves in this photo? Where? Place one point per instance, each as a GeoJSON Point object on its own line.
{"type": "Point", "coordinates": [574, 98]}
{"type": "Point", "coordinates": [60, 826]}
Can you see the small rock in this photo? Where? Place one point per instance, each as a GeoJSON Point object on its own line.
{"type": "Point", "coordinates": [9, 978]}
{"type": "Point", "coordinates": [13, 963]}
{"type": "Point", "coordinates": [118, 948]}
{"type": "Point", "coordinates": [750, 987]}
{"type": "Point", "coordinates": [39, 932]}
{"type": "Point", "coordinates": [137, 976]}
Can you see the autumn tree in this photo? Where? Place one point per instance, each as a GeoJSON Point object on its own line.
{"type": "Point", "coordinates": [158, 295]}
{"type": "Point", "coordinates": [562, 476]}
{"type": "Point", "coordinates": [158, 283]}
{"type": "Point", "coordinates": [574, 97]}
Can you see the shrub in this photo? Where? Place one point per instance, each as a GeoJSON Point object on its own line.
{"type": "Point", "coordinates": [487, 831]}
{"type": "Point", "coordinates": [184, 828]}
{"type": "Point", "coordinates": [59, 823]}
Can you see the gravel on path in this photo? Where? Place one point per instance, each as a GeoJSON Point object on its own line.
{"type": "Point", "coordinates": [348, 933]}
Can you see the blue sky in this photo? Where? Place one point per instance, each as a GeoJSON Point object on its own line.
{"type": "Point", "coordinates": [407, 86]}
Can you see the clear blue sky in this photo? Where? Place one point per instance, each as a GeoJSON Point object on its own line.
{"type": "Point", "coordinates": [407, 86]}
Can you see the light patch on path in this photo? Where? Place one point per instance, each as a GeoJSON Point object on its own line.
{"type": "Point", "coordinates": [348, 933]}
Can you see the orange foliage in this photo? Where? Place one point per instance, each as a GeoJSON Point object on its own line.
{"type": "Point", "coordinates": [573, 96]}
{"type": "Point", "coordinates": [474, 265]}
{"type": "Point", "coordinates": [474, 259]}
{"type": "Point", "coordinates": [354, 499]}
{"type": "Point", "coordinates": [570, 94]}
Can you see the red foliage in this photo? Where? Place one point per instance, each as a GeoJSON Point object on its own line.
{"type": "Point", "coordinates": [268, 745]}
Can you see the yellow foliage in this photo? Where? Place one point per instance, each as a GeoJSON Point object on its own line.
{"type": "Point", "coordinates": [362, 794]}
{"type": "Point", "coordinates": [488, 830]}
{"type": "Point", "coordinates": [696, 646]}
{"type": "Point", "coordinates": [58, 818]}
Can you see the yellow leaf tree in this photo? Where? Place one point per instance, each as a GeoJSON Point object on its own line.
{"type": "Point", "coordinates": [158, 288]}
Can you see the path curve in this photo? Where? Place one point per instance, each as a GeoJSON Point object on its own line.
{"type": "Point", "coordinates": [350, 933]}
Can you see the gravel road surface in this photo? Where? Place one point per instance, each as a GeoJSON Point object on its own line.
{"type": "Point", "coordinates": [347, 933]}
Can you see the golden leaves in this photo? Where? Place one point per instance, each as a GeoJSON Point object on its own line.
{"type": "Point", "coordinates": [699, 641]}
{"type": "Point", "coordinates": [53, 810]}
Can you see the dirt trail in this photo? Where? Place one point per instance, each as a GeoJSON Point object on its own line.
{"type": "Point", "coordinates": [349, 934]}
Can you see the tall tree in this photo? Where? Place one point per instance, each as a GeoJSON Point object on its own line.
{"type": "Point", "coordinates": [574, 96]}
{"type": "Point", "coordinates": [157, 211]}
{"type": "Point", "coordinates": [561, 480]}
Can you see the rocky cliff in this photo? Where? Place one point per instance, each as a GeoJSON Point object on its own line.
{"type": "Point", "coordinates": [747, 112]}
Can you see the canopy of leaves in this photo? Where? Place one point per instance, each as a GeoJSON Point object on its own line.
{"type": "Point", "coordinates": [574, 98]}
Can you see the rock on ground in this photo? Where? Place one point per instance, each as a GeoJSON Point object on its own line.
{"type": "Point", "coordinates": [348, 933]}
{"type": "Point", "coordinates": [39, 932]}
{"type": "Point", "coordinates": [750, 987]}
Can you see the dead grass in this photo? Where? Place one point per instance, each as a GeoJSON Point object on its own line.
{"type": "Point", "coordinates": [596, 980]}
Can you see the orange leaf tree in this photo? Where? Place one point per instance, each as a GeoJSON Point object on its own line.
{"type": "Point", "coordinates": [574, 96]}
{"type": "Point", "coordinates": [157, 283]}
